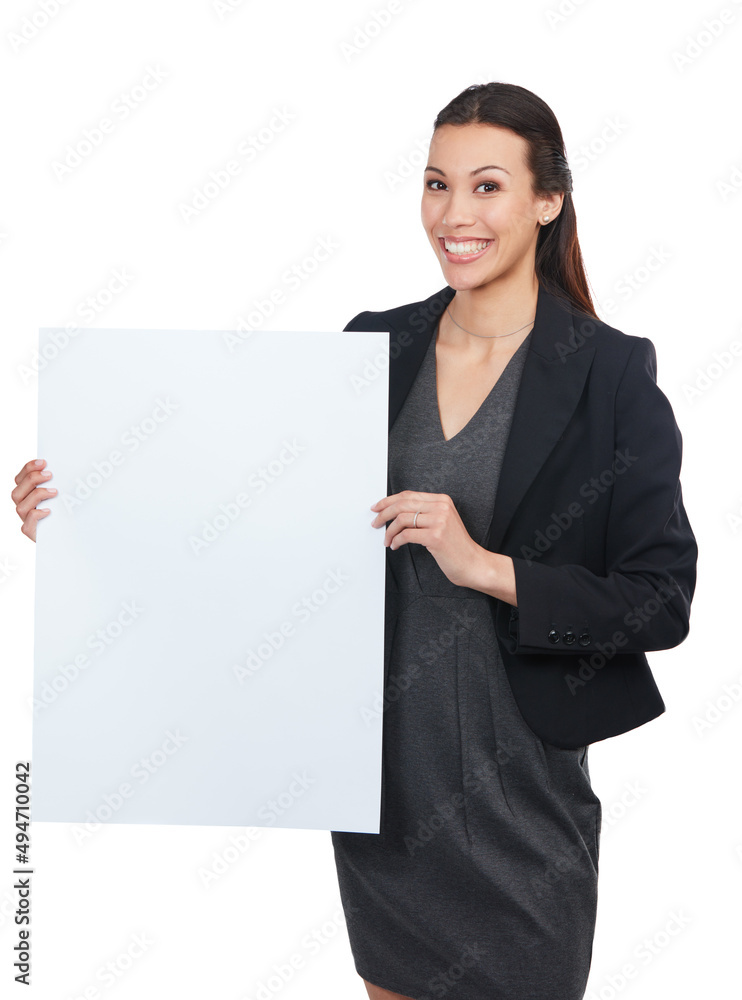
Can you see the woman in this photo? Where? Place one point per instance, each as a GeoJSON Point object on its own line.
{"type": "Point", "coordinates": [537, 546]}
{"type": "Point", "coordinates": [535, 551]}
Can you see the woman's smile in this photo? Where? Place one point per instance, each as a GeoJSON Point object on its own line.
{"type": "Point", "coordinates": [461, 251]}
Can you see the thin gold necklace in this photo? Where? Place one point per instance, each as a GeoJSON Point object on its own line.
{"type": "Point", "coordinates": [492, 336]}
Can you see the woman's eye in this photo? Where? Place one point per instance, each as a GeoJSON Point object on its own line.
{"type": "Point", "coordinates": [490, 184]}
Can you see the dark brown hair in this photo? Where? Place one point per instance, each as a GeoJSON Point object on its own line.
{"type": "Point", "coordinates": [559, 265]}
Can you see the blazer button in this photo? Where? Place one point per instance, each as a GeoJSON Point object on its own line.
{"type": "Point", "coordinates": [584, 638]}
{"type": "Point", "coordinates": [569, 638]}
{"type": "Point", "coordinates": [553, 636]}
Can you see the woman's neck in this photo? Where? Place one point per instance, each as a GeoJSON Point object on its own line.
{"type": "Point", "coordinates": [489, 320]}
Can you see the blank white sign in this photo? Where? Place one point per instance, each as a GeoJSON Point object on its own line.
{"type": "Point", "coordinates": [209, 589]}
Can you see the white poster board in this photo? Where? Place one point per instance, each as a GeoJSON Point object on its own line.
{"type": "Point", "coordinates": [210, 592]}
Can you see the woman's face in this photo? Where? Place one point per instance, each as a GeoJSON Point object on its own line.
{"type": "Point", "coordinates": [466, 202]}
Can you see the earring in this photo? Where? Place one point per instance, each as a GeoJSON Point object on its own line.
{"type": "Point", "coordinates": [546, 218]}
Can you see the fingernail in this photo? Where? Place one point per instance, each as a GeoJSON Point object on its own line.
{"type": "Point", "coordinates": [39, 461]}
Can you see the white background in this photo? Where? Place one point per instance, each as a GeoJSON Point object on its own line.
{"type": "Point", "coordinates": [651, 143]}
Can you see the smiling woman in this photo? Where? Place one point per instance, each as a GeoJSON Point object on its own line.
{"type": "Point", "coordinates": [507, 395]}
{"type": "Point", "coordinates": [537, 547]}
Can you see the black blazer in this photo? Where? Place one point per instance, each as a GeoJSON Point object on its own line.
{"type": "Point", "coordinates": [589, 507]}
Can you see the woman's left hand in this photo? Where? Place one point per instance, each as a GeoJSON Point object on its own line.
{"type": "Point", "coordinates": [439, 529]}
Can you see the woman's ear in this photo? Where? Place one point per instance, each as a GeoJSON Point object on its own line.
{"type": "Point", "coordinates": [551, 206]}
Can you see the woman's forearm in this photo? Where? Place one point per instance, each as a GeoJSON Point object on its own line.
{"type": "Point", "coordinates": [494, 574]}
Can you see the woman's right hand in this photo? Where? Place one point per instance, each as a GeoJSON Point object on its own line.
{"type": "Point", "coordinates": [28, 493]}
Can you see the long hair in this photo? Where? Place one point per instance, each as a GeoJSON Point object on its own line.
{"type": "Point", "coordinates": [559, 265]}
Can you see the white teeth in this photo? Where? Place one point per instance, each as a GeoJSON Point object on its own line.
{"type": "Point", "coordinates": [470, 246]}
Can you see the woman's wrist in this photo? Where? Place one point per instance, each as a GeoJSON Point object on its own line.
{"type": "Point", "coordinates": [493, 573]}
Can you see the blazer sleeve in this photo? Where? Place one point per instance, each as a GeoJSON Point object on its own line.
{"type": "Point", "coordinates": [643, 602]}
{"type": "Point", "coordinates": [351, 324]}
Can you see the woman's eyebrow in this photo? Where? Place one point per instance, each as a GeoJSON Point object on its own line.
{"type": "Point", "coordinates": [477, 171]}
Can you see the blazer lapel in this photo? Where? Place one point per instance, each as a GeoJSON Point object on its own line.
{"type": "Point", "coordinates": [552, 381]}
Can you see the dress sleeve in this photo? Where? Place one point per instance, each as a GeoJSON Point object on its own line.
{"type": "Point", "coordinates": [643, 602]}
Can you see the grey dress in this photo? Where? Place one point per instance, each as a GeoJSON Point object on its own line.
{"type": "Point", "coordinates": [482, 884]}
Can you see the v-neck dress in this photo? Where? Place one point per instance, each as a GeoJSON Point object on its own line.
{"type": "Point", "coordinates": [482, 884]}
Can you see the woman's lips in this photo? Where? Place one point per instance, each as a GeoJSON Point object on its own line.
{"type": "Point", "coordinates": [458, 258]}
